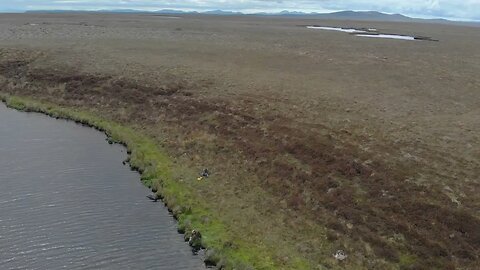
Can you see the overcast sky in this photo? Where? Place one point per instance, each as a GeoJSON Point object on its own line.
{"type": "Point", "coordinates": [457, 9]}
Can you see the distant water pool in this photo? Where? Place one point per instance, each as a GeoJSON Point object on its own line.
{"type": "Point", "coordinates": [340, 29]}
{"type": "Point", "coordinates": [387, 36]}
{"type": "Point", "coordinates": [367, 32]}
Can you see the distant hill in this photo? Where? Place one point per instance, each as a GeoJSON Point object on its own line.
{"type": "Point", "coordinates": [344, 15]}
{"type": "Point", "coordinates": [174, 11]}
{"type": "Point", "coordinates": [289, 13]}
{"type": "Point", "coordinates": [222, 12]}
{"type": "Point", "coordinates": [163, 11]}
{"type": "Point", "coordinates": [349, 15]}
{"type": "Point", "coordinates": [365, 15]}
{"type": "Point", "coordinates": [340, 15]}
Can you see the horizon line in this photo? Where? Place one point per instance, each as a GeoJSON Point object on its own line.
{"type": "Point", "coordinates": [186, 11]}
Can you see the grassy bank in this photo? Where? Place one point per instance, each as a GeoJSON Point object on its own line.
{"type": "Point", "coordinates": [156, 169]}
{"type": "Point", "coordinates": [304, 163]}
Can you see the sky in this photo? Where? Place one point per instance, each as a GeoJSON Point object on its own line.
{"type": "Point", "coordinates": [449, 9]}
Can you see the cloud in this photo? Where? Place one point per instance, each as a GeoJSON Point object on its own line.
{"type": "Point", "coordinates": [466, 9]}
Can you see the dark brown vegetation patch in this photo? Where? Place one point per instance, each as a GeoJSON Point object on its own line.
{"type": "Point", "coordinates": [314, 173]}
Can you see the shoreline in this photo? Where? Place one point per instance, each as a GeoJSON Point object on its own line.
{"type": "Point", "coordinates": [154, 168]}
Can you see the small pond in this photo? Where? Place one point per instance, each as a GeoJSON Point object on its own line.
{"type": "Point", "coordinates": [369, 32]}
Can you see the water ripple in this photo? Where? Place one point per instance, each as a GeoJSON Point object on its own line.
{"type": "Point", "coordinates": [67, 202]}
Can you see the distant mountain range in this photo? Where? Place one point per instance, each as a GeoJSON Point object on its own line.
{"type": "Point", "coordinates": [341, 15]}
{"type": "Point", "coordinates": [366, 15]}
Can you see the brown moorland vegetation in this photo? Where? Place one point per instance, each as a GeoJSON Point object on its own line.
{"type": "Point", "coordinates": [368, 153]}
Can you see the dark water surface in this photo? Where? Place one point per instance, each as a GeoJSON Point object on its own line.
{"type": "Point", "coordinates": [67, 202]}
